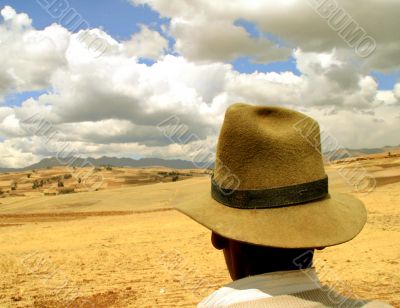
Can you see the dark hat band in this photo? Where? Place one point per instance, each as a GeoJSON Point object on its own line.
{"type": "Point", "coordinates": [270, 198]}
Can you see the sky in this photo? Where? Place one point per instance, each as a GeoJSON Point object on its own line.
{"type": "Point", "coordinates": [98, 79]}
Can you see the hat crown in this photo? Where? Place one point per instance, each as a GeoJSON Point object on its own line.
{"type": "Point", "coordinates": [262, 147]}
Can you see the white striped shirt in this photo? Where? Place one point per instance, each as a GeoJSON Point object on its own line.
{"type": "Point", "coordinates": [299, 288]}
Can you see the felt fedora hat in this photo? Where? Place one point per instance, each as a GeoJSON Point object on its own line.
{"type": "Point", "coordinates": [269, 186]}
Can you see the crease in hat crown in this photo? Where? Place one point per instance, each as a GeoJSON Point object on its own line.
{"type": "Point", "coordinates": [267, 147]}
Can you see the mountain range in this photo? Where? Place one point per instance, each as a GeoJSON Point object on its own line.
{"type": "Point", "coordinates": [170, 163]}
{"type": "Point", "coordinates": [109, 161]}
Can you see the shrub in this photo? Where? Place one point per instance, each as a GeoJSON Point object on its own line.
{"type": "Point", "coordinates": [50, 193]}
{"type": "Point", "coordinates": [66, 190]}
{"type": "Point", "coordinates": [28, 175]}
{"type": "Point", "coordinates": [60, 184]}
{"type": "Point", "coordinates": [13, 185]}
{"type": "Point", "coordinates": [175, 178]}
{"type": "Point", "coordinates": [37, 184]}
{"type": "Point", "coordinates": [108, 168]}
{"type": "Point", "coordinates": [67, 176]}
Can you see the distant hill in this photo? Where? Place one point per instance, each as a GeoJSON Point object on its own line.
{"type": "Point", "coordinates": [343, 153]}
{"type": "Point", "coordinates": [7, 170]}
{"type": "Point", "coordinates": [174, 163]}
{"type": "Point", "coordinates": [111, 161]}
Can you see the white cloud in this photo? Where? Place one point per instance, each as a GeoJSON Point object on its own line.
{"type": "Point", "coordinates": [204, 29]}
{"type": "Point", "coordinates": [13, 20]}
{"type": "Point", "coordinates": [13, 157]}
{"type": "Point", "coordinates": [29, 57]}
{"type": "Point", "coordinates": [360, 130]}
{"type": "Point", "coordinates": [110, 104]}
{"type": "Point", "coordinates": [396, 92]}
{"type": "Point", "coordinates": [146, 43]}
{"type": "Point", "coordinates": [204, 39]}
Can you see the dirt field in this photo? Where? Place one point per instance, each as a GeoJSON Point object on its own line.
{"type": "Point", "coordinates": [65, 180]}
{"type": "Point", "coordinates": [127, 247]}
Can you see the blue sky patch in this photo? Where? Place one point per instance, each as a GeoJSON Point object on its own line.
{"type": "Point", "coordinates": [146, 61]}
{"type": "Point", "coordinates": [386, 81]}
{"type": "Point", "coordinates": [16, 99]}
{"type": "Point", "coordinates": [250, 27]}
{"type": "Point", "coordinates": [254, 32]}
{"type": "Point", "coordinates": [118, 18]}
{"type": "Point", "coordinates": [244, 65]}
{"type": "Point", "coordinates": [276, 39]}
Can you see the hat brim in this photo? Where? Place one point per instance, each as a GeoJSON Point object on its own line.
{"type": "Point", "coordinates": [326, 222]}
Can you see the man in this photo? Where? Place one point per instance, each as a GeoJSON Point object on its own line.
{"type": "Point", "coordinates": [269, 208]}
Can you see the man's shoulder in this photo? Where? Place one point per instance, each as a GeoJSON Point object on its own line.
{"type": "Point", "coordinates": [261, 287]}
{"type": "Point", "coordinates": [313, 298]}
{"type": "Point", "coordinates": [282, 289]}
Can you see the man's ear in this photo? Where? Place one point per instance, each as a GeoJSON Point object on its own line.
{"type": "Point", "coordinates": [218, 241]}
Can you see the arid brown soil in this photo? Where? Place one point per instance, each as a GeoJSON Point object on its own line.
{"type": "Point", "coordinates": [127, 247]}
{"type": "Point", "coordinates": [59, 180]}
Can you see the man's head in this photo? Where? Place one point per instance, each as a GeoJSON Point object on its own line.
{"type": "Point", "coordinates": [243, 259]}
{"type": "Point", "coordinates": [269, 187]}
